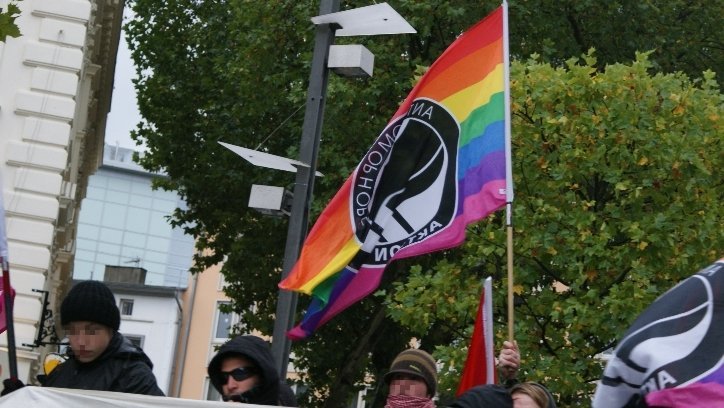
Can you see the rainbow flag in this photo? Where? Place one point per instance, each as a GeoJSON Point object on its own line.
{"type": "Point", "coordinates": [442, 162]}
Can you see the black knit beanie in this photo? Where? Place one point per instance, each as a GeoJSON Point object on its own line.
{"type": "Point", "coordinates": [90, 301]}
{"type": "Point", "coordinates": [416, 362]}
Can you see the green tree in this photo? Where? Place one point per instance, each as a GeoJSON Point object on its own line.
{"type": "Point", "coordinates": [683, 35]}
{"type": "Point", "coordinates": [8, 28]}
{"type": "Point", "coordinates": [236, 71]}
{"type": "Point", "coordinates": [232, 72]}
{"type": "Point", "coordinates": [617, 198]}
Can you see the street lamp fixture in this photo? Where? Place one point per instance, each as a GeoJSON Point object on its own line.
{"type": "Point", "coordinates": [377, 19]}
{"type": "Point", "coordinates": [352, 61]}
{"type": "Point", "coordinates": [347, 60]}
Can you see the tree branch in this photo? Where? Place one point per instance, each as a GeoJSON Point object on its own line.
{"type": "Point", "coordinates": [344, 382]}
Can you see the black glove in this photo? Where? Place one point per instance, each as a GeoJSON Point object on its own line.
{"type": "Point", "coordinates": [10, 385]}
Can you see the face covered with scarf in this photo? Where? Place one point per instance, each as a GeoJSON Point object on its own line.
{"type": "Point", "coordinates": [408, 391]}
{"type": "Point", "coordinates": [412, 379]}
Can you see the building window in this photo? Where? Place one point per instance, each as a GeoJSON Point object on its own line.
{"type": "Point", "coordinates": [211, 393]}
{"type": "Point", "coordinates": [222, 282]}
{"type": "Point", "coordinates": [126, 307]}
{"type": "Point", "coordinates": [299, 389]}
{"type": "Point", "coordinates": [136, 340]}
{"type": "Point", "coordinates": [224, 322]}
{"type": "Point", "coordinates": [358, 401]}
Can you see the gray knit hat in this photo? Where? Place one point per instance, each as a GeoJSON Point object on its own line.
{"type": "Point", "coordinates": [90, 301]}
{"type": "Point", "coordinates": [415, 362]}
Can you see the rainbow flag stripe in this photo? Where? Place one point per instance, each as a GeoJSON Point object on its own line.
{"type": "Point", "coordinates": [347, 250]}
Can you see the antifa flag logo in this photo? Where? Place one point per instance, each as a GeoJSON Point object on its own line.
{"type": "Point", "coordinates": [405, 188]}
{"type": "Point", "coordinates": [676, 341]}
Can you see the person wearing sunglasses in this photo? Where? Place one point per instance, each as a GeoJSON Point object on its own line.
{"type": "Point", "coordinates": [243, 371]}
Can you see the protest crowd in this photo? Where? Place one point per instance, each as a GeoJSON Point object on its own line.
{"type": "Point", "coordinates": [442, 162]}
{"type": "Point", "coordinates": [100, 358]}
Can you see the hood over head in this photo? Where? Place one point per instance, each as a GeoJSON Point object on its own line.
{"type": "Point", "coordinates": [256, 350]}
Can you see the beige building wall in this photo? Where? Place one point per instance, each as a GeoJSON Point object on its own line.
{"type": "Point", "coordinates": [198, 339]}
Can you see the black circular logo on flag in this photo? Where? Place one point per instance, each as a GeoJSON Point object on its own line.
{"type": "Point", "coordinates": [405, 188]}
{"type": "Point", "coordinates": [676, 341]}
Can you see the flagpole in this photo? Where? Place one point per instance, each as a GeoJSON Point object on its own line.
{"type": "Point", "coordinates": [511, 294]}
{"type": "Point", "coordinates": [7, 290]}
{"type": "Point", "coordinates": [508, 172]}
{"type": "Point", "coordinates": [488, 330]}
{"type": "Point", "coordinates": [7, 295]}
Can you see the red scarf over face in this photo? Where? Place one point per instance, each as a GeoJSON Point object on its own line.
{"type": "Point", "coordinates": [406, 401]}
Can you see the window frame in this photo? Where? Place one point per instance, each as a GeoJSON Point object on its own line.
{"type": "Point", "coordinates": [124, 302]}
{"type": "Point", "coordinates": [141, 339]}
{"type": "Point", "coordinates": [210, 392]}
{"type": "Point", "coordinates": [234, 319]}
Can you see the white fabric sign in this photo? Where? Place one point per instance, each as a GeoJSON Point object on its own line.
{"type": "Point", "coordinates": [46, 397]}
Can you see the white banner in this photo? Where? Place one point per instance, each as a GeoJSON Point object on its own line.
{"type": "Point", "coordinates": [46, 397]}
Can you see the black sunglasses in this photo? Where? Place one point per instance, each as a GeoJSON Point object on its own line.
{"type": "Point", "coordinates": [238, 374]}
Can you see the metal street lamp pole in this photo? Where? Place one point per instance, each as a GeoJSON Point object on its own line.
{"type": "Point", "coordinates": [298, 220]}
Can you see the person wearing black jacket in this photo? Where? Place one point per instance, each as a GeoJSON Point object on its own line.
{"type": "Point", "coordinates": [484, 396]}
{"type": "Point", "coordinates": [99, 357]}
{"type": "Point", "coordinates": [121, 367]}
{"type": "Point", "coordinates": [243, 371]}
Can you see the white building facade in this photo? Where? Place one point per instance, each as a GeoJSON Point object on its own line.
{"type": "Point", "coordinates": [55, 86]}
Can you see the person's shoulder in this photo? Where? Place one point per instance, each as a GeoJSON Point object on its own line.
{"type": "Point", "coordinates": [136, 377]}
{"type": "Point", "coordinates": [484, 396]}
{"type": "Point", "coordinates": [132, 362]}
{"type": "Point", "coordinates": [130, 354]}
{"type": "Point", "coordinates": [59, 371]}
{"type": "Point", "coordinates": [287, 398]}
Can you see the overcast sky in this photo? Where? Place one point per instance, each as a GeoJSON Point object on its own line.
{"type": "Point", "coordinates": [124, 113]}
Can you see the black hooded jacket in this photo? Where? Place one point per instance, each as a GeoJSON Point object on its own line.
{"type": "Point", "coordinates": [122, 367]}
{"type": "Point", "coordinates": [493, 396]}
{"type": "Point", "coordinates": [271, 390]}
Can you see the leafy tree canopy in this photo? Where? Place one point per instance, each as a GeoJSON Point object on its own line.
{"type": "Point", "coordinates": [615, 174]}
{"type": "Point", "coordinates": [617, 194]}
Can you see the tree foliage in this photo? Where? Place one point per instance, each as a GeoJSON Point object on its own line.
{"type": "Point", "coordinates": [616, 197]}
{"type": "Point", "coordinates": [617, 194]}
{"type": "Point", "coordinates": [8, 28]}
{"type": "Point", "coordinates": [682, 35]}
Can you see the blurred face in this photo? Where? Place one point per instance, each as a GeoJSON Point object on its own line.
{"type": "Point", "coordinates": [240, 375]}
{"type": "Point", "coordinates": [521, 400]}
{"type": "Point", "coordinates": [407, 384]}
{"type": "Point", "coordinates": [88, 340]}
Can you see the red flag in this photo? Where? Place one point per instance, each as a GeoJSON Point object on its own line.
{"type": "Point", "coordinates": [7, 296]}
{"type": "Point", "coordinates": [3, 316]}
{"type": "Point", "coordinates": [4, 264]}
{"type": "Point", "coordinates": [480, 364]}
